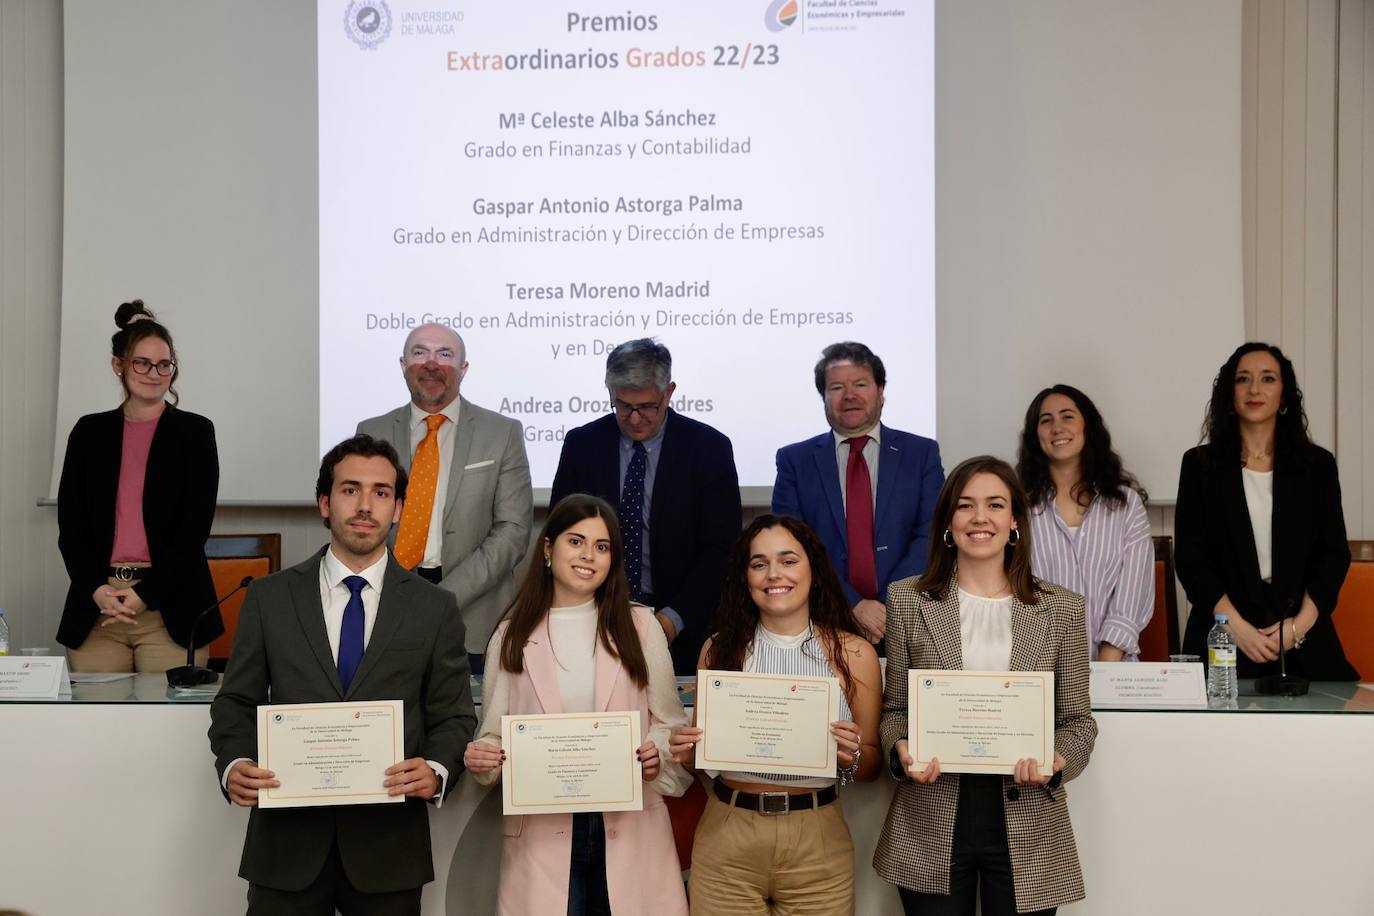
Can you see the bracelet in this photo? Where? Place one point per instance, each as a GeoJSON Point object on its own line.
{"type": "Point", "coordinates": [847, 773]}
{"type": "Point", "coordinates": [1298, 638]}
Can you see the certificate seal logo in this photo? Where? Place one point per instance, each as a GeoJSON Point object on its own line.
{"type": "Point", "coordinates": [277, 717]}
{"type": "Point", "coordinates": [928, 683]}
{"type": "Point", "coordinates": [367, 23]}
{"type": "Point", "coordinates": [596, 725]}
{"type": "Point", "coordinates": [358, 714]}
{"type": "Point", "coordinates": [780, 15]}
{"type": "Point", "coordinates": [328, 780]}
{"type": "Point", "coordinates": [520, 727]}
{"type": "Point", "coordinates": [715, 684]}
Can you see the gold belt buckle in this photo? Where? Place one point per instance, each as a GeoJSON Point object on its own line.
{"type": "Point", "coordinates": [124, 573]}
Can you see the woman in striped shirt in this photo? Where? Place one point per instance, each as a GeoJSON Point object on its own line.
{"type": "Point", "coordinates": [1090, 533]}
{"type": "Point", "coordinates": [783, 612]}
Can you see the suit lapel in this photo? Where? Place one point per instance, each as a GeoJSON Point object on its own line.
{"type": "Point", "coordinates": [889, 469]}
{"type": "Point", "coordinates": [389, 611]}
{"type": "Point", "coordinates": [1238, 516]}
{"type": "Point", "coordinates": [462, 448]}
{"type": "Point", "coordinates": [540, 666]}
{"type": "Point", "coordinates": [942, 620]}
{"type": "Point", "coordinates": [305, 597]}
{"type": "Point", "coordinates": [1030, 625]}
{"type": "Point", "coordinates": [607, 671]}
{"type": "Point", "coordinates": [608, 467]}
{"type": "Point", "coordinates": [827, 470]}
{"type": "Point", "coordinates": [400, 434]}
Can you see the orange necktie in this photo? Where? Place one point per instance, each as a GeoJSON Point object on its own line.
{"type": "Point", "coordinates": [424, 478]}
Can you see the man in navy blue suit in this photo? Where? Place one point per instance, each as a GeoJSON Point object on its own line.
{"type": "Point", "coordinates": [673, 483]}
{"type": "Point", "coordinates": [868, 491]}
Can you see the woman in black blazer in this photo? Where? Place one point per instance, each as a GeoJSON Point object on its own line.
{"type": "Point", "coordinates": [1259, 530]}
{"type": "Point", "coordinates": [134, 509]}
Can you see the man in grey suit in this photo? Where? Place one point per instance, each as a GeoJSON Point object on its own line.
{"type": "Point", "coordinates": [470, 528]}
{"type": "Point", "coordinates": [347, 625]}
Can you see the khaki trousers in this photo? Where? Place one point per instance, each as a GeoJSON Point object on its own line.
{"type": "Point", "coordinates": [750, 864]}
{"type": "Point", "coordinates": [142, 647]}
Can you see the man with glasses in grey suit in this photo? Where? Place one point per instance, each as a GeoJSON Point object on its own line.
{"type": "Point", "coordinates": [466, 524]}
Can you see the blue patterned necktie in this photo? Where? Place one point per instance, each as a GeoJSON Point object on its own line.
{"type": "Point", "coordinates": [632, 519]}
{"type": "Point", "coordinates": [351, 633]}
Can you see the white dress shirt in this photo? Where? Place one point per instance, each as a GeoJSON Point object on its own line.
{"type": "Point", "coordinates": [1259, 500]}
{"type": "Point", "coordinates": [448, 434]}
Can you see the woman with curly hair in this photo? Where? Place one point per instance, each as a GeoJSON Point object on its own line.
{"type": "Point", "coordinates": [783, 612]}
{"type": "Point", "coordinates": [1259, 527]}
{"type": "Point", "coordinates": [1091, 533]}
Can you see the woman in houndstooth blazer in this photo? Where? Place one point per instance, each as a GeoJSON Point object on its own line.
{"type": "Point", "coordinates": [978, 607]}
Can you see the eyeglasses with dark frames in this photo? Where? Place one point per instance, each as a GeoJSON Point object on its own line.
{"type": "Point", "coordinates": [164, 367]}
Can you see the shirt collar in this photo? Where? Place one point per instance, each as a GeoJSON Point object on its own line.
{"type": "Point", "coordinates": [417, 416]}
{"type": "Point", "coordinates": [335, 571]}
{"type": "Point", "coordinates": [872, 433]}
{"type": "Point", "coordinates": [651, 443]}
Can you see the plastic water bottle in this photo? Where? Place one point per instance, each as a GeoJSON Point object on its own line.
{"type": "Point", "coordinates": [1222, 688]}
{"type": "Point", "coordinates": [4, 634]}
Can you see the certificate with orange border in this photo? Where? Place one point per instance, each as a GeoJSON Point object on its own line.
{"type": "Point", "coordinates": [330, 753]}
{"type": "Point", "coordinates": [570, 763]}
{"type": "Point", "coordinates": [981, 721]}
{"type": "Point", "coordinates": [776, 724]}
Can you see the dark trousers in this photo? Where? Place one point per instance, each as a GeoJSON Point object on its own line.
{"type": "Point", "coordinates": [330, 891]}
{"type": "Point", "coordinates": [587, 894]}
{"type": "Point", "coordinates": [979, 858]}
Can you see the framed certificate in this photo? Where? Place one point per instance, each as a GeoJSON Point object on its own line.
{"type": "Point", "coordinates": [981, 721]}
{"type": "Point", "coordinates": [767, 723]}
{"type": "Point", "coordinates": [330, 753]}
{"type": "Point", "coordinates": [571, 762]}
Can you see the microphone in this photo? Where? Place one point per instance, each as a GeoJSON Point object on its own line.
{"type": "Point", "coordinates": [1282, 684]}
{"type": "Point", "coordinates": [191, 674]}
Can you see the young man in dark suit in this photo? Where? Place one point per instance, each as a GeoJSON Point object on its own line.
{"type": "Point", "coordinates": [673, 482]}
{"type": "Point", "coordinates": [347, 624]}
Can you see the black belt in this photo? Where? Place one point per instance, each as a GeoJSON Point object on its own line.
{"type": "Point", "coordinates": [771, 803]}
{"type": "Point", "coordinates": [129, 573]}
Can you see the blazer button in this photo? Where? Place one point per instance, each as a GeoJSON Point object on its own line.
{"type": "Point", "coordinates": [1013, 794]}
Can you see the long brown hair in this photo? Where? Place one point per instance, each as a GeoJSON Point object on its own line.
{"type": "Point", "coordinates": [738, 615]}
{"type": "Point", "coordinates": [615, 628]}
{"type": "Point", "coordinates": [1016, 558]}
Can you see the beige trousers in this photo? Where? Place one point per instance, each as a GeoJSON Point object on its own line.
{"type": "Point", "coordinates": [142, 647]}
{"type": "Point", "coordinates": [750, 864]}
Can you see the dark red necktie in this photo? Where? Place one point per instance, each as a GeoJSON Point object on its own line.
{"type": "Point", "coordinates": [858, 515]}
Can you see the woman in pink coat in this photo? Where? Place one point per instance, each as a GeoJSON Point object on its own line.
{"type": "Point", "coordinates": [572, 642]}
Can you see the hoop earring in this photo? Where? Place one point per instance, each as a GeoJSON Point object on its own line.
{"type": "Point", "coordinates": [947, 538]}
{"type": "Point", "coordinates": [1014, 538]}
{"type": "Point", "coordinates": [1283, 409]}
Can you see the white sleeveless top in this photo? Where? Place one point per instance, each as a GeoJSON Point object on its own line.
{"type": "Point", "coordinates": [802, 655]}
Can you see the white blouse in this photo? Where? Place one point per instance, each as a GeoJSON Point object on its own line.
{"type": "Point", "coordinates": [572, 631]}
{"type": "Point", "coordinates": [985, 632]}
{"type": "Point", "coordinates": [1259, 499]}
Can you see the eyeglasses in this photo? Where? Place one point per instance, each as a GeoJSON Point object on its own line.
{"type": "Point", "coordinates": [648, 412]}
{"type": "Point", "coordinates": [443, 356]}
{"type": "Point", "coordinates": [143, 366]}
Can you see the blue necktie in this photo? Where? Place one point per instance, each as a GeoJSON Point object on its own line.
{"type": "Point", "coordinates": [351, 633]}
{"type": "Point", "coordinates": [632, 519]}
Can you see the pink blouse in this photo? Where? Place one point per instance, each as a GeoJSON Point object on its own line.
{"type": "Point", "coordinates": [130, 539]}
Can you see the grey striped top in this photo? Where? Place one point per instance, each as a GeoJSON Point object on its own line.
{"type": "Point", "coordinates": [802, 655]}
